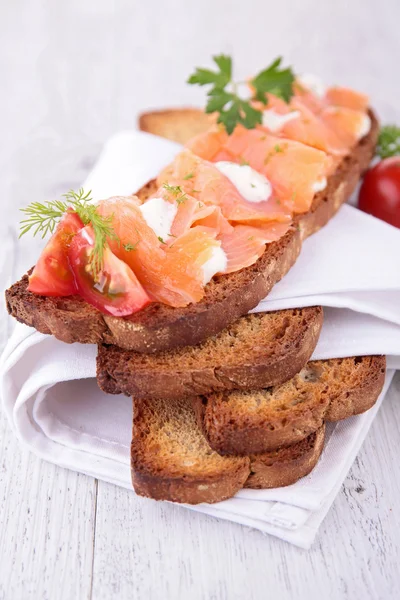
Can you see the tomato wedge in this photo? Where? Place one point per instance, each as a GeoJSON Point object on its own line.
{"type": "Point", "coordinates": [52, 275]}
{"type": "Point", "coordinates": [116, 290]}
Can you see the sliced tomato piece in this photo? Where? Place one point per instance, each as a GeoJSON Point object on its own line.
{"type": "Point", "coordinates": [115, 290]}
{"type": "Point", "coordinates": [52, 275]}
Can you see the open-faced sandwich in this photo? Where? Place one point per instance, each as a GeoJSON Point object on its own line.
{"type": "Point", "coordinates": [162, 281]}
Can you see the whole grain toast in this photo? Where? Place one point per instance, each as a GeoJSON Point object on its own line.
{"type": "Point", "coordinates": [171, 459]}
{"type": "Point", "coordinates": [256, 351]}
{"type": "Point", "coordinates": [246, 422]}
{"type": "Point", "coordinates": [160, 327]}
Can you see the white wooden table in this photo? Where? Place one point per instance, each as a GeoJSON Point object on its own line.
{"type": "Point", "coordinates": [73, 73]}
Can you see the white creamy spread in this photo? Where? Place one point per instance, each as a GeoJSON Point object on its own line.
{"type": "Point", "coordinates": [253, 186]}
{"type": "Point", "coordinates": [217, 263]}
{"type": "Point", "coordinates": [319, 185]}
{"type": "Point", "coordinates": [274, 121]}
{"type": "Point", "coordinates": [365, 127]}
{"type": "Point", "coordinates": [159, 215]}
{"type": "Point", "coordinates": [313, 83]}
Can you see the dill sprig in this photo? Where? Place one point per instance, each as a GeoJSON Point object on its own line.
{"type": "Point", "coordinates": [176, 191]}
{"type": "Point", "coordinates": [388, 141]}
{"type": "Point", "coordinates": [43, 218]}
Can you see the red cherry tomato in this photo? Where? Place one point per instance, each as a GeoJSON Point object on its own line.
{"type": "Point", "coordinates": [116, 290]}
{"type": "Point", "coordinates": [380, 191]}
{"type": "Point", "coordinates": [52, 275]}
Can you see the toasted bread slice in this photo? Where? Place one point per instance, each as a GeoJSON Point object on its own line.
{"type": "Point", "coordinates": [177, 125]}
{"type": "Point", "coordinates": [256, 351]}
{"type": "Point", "coordinates": [159, 327]}
{"type": "Point", "coordinates": [246, 422]}
{"type": "Point", "coordinates": [285, 466]}
{"type": "Point", "coordinates": [171, 459]}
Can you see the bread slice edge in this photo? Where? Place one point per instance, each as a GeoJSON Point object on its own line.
{"type": "Point", "coordinates": [160, 327]}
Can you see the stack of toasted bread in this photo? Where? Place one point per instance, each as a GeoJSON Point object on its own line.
{"type": "Point", "coordinates": [222, 399]}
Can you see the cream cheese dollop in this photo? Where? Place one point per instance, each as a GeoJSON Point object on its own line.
{"type": "Point", "coordinates": [319, 185]}
{"type": "Point", "coordinates": [159, 215]}
{"type": "Point", "coordinates": [365, 127]}
{"type": "Point", "coordinates": [217, 263]}
{"type": "Point", "coordinates": [274, 121]}
{"type": "Point", "coordinates": [250, 184]}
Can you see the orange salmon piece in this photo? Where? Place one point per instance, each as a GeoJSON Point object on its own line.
{"type": "Point", "coordinates": [211, 187]}
{"type": "Point", "coordinates": [342, 96]}
{"type": "Point", "coordinates": [208, 144]}
{"type": "Point", "coordinates": [294, 169]}
{"type": "Point", "coordinates": [308, 98]}
{"type": "Point", "coordinates": [169, 276]}
{"type": "Point", "coordinates": [244, 245]}
{"type": "Point", "coordinates": [350, 125]}
{"type": "Point", "coordinates": [306, 126]}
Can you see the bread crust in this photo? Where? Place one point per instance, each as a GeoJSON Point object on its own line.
{"type": "Point", "coordinates": [178, 125]}
{"type": "Point", "coordinates": [159, 327]}
{"type": "Point", "coordinates": [285, 466]}
{"type": "Point", "coordinates": [232, 428]}
{"type": "Point", "coordinates": [122, 371]}
{"type": "Point", "coordinates": [171, 460]}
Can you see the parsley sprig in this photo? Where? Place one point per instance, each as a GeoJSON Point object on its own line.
{"type": "Point", "coordinates": [42, 218]}
{"type": "Point", "coordinates": [223, 97]}
{"type": "Point", "coordinates": [388, 141]}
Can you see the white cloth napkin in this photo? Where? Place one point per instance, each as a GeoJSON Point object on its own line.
{"type": "Point", "coordinates": [55, 408]}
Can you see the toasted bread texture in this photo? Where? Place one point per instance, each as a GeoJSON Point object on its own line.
{"type": "Point", "coordinates": [159, 327]}
{"type": "Point", "coordinates": [256, 351]}
{"type": "Point", "coordinates": [285, 466]}
{"type": "Point", "coordinates": [177, 125]}
{"type": "Point", "coordinates": [171, 459]}
{"type": "Point", "coordinates": [246, 422]}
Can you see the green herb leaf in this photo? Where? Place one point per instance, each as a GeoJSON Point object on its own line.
{"type": "Point", "coordinates": [160, 239]}
{"type": "Point", "coordinates": [388, 141]}
{"type": "Point", "coordinates": [226, 101]}
{"type": "Point", "coordinates": [217, 100]}
{"type": "Point", "coordinates": [219, 78]}
{"type": "Point", "coordinates": [188, 176]}
{"type": "Point", "coordinates": [253, 116]}
{"type": "Point", "coordinates": [275, 80]}
{"type": "Point", "coordinates": [131, 247]}
{"type": "Point", "coordinates": [176, 191]}
{"type": "Point", "coordinates": [43, 218]}
{"type": "Point", "coordinates": [225, 64]}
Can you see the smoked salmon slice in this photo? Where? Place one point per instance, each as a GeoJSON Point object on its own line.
{"type": "Point", "coordinates": [350, 125]}
{"type": "Point", "coordinates": [169, 274]}
{"type": "Point", "coordinates": [342, 96]}
{"type": "Point", "coordinates": [208, 144]}
{"type": "Point", "coordinates": [244, 245]}
{"type": "Point", "coordinates": [297, 171]}
{"type": "Point", "coordinates": [302, 125]}
{"type": "Point", "coordinates": [191, 212]}
{"type": "Point", "coordinates": [211, 187]}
